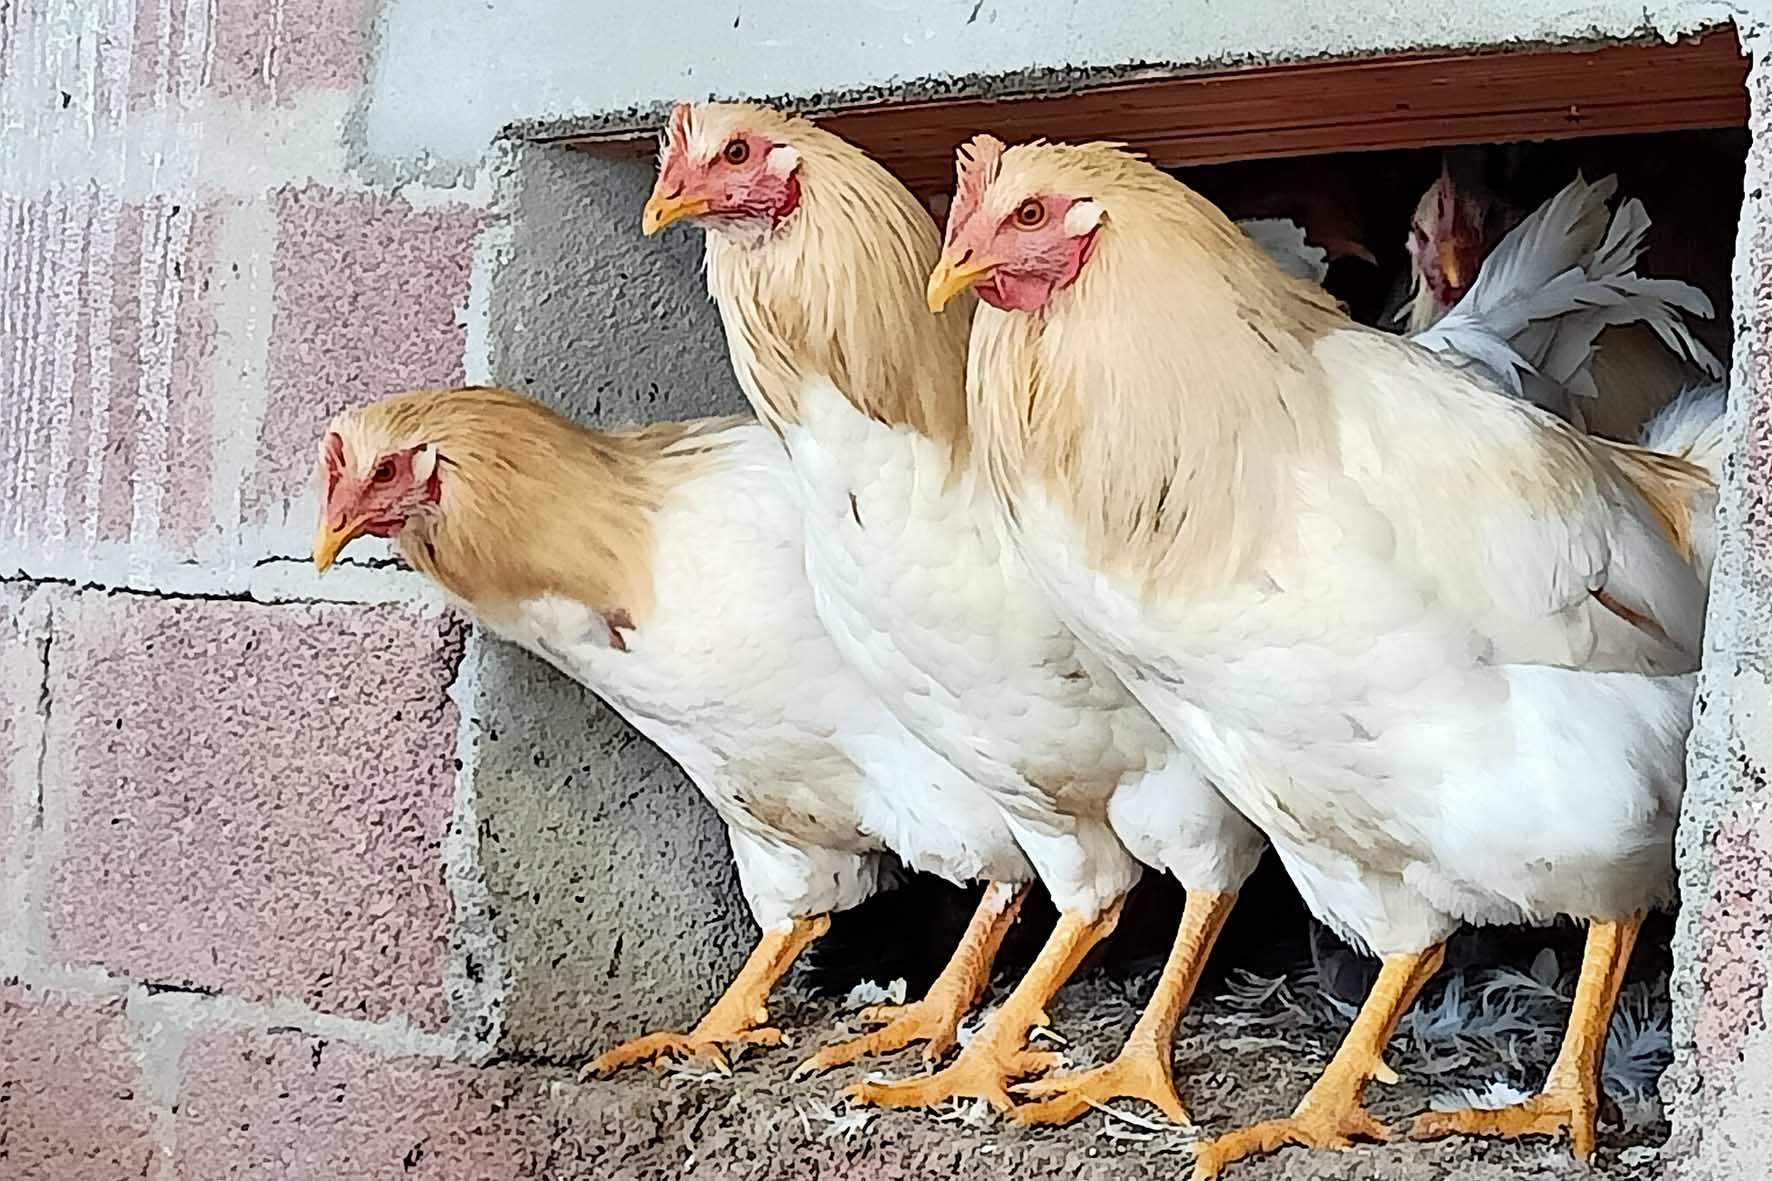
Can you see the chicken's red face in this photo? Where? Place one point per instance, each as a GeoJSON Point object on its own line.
{"type": "Point", "coordinates": [375, 494]}
{"type": "Point", "coordinates": [713, 167]}
{"type": "Point", "coordinates": [1446, 240]}
{"type": "Point", "coordinates": [1016, 251]}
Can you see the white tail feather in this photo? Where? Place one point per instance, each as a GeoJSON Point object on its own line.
{"type": "Point", "coordinates": [1283, 240]}
{"type": "Point", "coordinates": [1550, 288]}
{"type": "Point", "coordinates": [1691, 427]}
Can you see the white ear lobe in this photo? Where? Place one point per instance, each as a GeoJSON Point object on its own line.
{"type": "Point", "coordinates": [424, 462]}
{"type": "Point", "coordinates": [1082, 217]}
{"type": "Point", "coordinates": [782, 160]}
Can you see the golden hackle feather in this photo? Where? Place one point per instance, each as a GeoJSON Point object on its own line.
{"type": "Point", "coordinates": [532, 504]}
{"type": "Point", "coordinates": [1183, 488]}
{"type": "Point", "coordinates": [1189, 463]}
{"type": "Point", "coordinates": [1673, 488]}
{"type": "Point", "coordinates": [837, 289]}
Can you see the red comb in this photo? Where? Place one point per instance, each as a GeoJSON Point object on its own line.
{"type": "Point", "coordinates": [679, 127]}
{"type": "Point", "coordinates": [976, 164]}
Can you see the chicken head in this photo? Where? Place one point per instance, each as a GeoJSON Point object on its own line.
{"type": "Point", "coordinates": [1016, 251]}
{"type": "Point", "coordinates": [368, 487]}
{"type": "Point", "coordinates": [1446, 239]}
{"type": "Point", "coordinates": [714, 164]}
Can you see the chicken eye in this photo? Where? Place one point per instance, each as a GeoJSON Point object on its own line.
{"type": "Point", "coordinates": [384, 471]}
{"type": "Point", "coordinates": [737, 152]}
{"type": "Point", "coordinates": [1030, 214]}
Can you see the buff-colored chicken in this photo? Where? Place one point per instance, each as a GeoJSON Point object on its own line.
{"type": "Point", "coordinates": [816, 258]}
{"type": "Point", "coordinates": [662, 569]}
{"type": "Point", "coordinates": [1437, 644]}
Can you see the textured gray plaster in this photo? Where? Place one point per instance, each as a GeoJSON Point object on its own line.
{"type": "Point", "coordinates": [589, 315]}
{"type": "Point", "coordinates": [1720, 1087]}
{"type": "Point", "coordinates": [608, 879]}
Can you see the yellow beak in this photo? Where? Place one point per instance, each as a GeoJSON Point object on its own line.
{"type": "Point", "coordinates": [1449, 264]}
{"type": "Point", "coordinates": [330, 539]}
{"type": "Point", "coordinates": [662, 210]}
{"type": "Point", "coordinates": [949, 278]}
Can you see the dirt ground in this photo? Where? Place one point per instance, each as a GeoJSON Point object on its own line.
{"type": "Point", "coordinates": [1242, 1056]}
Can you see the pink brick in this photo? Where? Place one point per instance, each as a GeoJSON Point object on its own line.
{"type": "Point", "coordinates": [298, 1108]}
{"type": "Point", "coordinates": [1735, 948]}
{"type": "Point", "coordinates": [368, 296]}
{"type": "Point", "coordinates": [261, 52]}
{"type": "Point", "coordinates": [68, 1076]}
{"type": "Point", "coordinates": [21, 682]}
{"type": "Point", "coordinates": [251, 799]}
{"type": "Point", "coordinates": [273, 50]}
{"type": "Point", "coordinates": [108, 340]}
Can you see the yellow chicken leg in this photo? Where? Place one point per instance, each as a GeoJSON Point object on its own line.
{"type": "Point", "coordinates": [1333, 1114]}
{"type": "Point", "coordinates": [1142, 1070]}
{"type": "Point", "coordinates": [737, 1018]}
{"type": "Point", "coordinates": [1572, 1093]}
{"type": "Point", "coordinates": [936, 1018]}
{"type": "Point", "coordinates": [998, 1054]}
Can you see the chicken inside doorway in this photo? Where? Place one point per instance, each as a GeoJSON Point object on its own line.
{"type": "Point", "coordinates": [1404, 237]}
{"type": "Point", "coordinates": [1262, 1023]}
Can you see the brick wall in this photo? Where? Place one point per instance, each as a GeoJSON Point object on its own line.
{"type": "Point", "coordinates": [230, 936]}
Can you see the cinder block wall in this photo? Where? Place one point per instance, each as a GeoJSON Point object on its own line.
{"type": "Point", "coordinates": [300, 877]}
{"type": "Point", "coordinates": [282, 858]}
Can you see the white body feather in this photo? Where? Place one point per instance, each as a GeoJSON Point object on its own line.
{"type": "Point", "coordinates": [1423, 706]}
{"type": "Point", "coordinates": [924, 598]}
{"type": "Point", "coordinates": [733, 676]}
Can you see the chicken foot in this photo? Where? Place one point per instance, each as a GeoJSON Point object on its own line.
{"type": "Point", "coordinates": [1142, 1070]}
{"type": "Point", "coordinates": [998, 1053]}
{"type": "Point", "coordinates": [936, 1018]}
{"type": "Point", "coordinates": [1573, 1092]}
{"type": "Point", "coordinates": [1333, 1113]}
{"type": "Point", "coordinates": [739, 1017]}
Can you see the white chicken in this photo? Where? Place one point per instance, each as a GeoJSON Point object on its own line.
{"type": "Point", "coordinates": [815, 258]}
{"type": "Point", "coordinates": [1435, 643]}
{"type": "Point", "coordinates": [661, 568]}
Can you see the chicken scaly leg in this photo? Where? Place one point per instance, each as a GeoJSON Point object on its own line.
{"type": "Point", "coordinates": [737, 1018]}
{"type": "Point", "coordinates": [1142, 1070]}
{"type": "Point", "coordinates": [998, 1053]}
{"type": "Point", "coordinates": [1572, 1093]}
{"type": "Point", "coordinates": [1333, 1113]}
{"type": "Point", "coordinates": [936, 1018]}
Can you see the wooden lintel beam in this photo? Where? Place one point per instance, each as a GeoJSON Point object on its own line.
{"type": "Point", "coordinates": [1420, 100]}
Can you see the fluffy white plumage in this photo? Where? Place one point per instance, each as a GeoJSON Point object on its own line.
{"type": "Point", "coordinates": [736, 680]}
{"type": "Point", "coordinates": [1691, 427]}
{"type": "Point", "coordinates": [923, 596]}
{"type": "Point", "coordinates": [1403, 701]}
{"type": "Point", "coordinates": [1531, 321]}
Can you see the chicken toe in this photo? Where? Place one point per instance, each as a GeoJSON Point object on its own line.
{"type": "Point", "coordinates": [1572, 1097]}
{"type": "Point", "coordinates": [739, 1017]}
{"type": "Point", "coordinates": [997, 1055]}
{"type": "Point", "coordinates": [934, 1020]}
{"type": "Point", "coordinates": [1142, 1071]}
{"type": "Point", "coordinates": [1333, 1114]}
